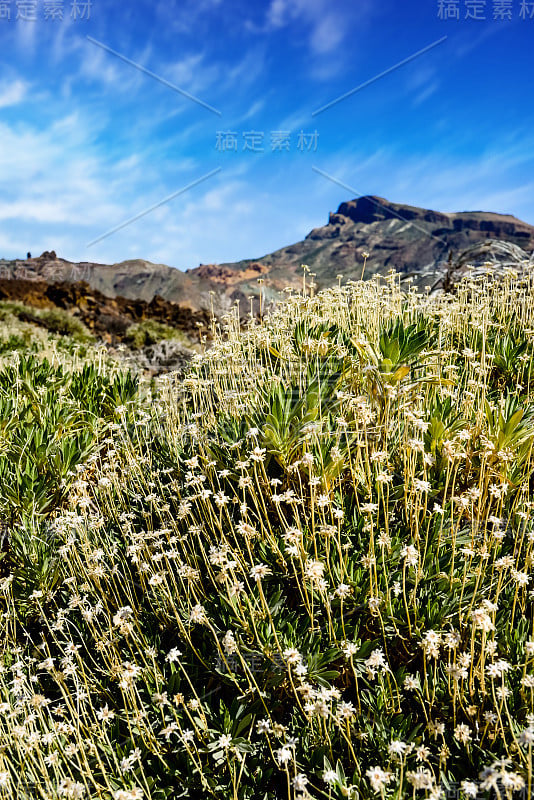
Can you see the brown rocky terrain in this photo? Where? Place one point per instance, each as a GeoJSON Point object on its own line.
{"type": "Point", "coordinates": [416, 242]}
{"type": "Point", "coordinates": [106, 317]}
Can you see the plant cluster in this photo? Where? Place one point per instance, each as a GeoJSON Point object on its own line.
{"type": "Point", "coordinates": [304, 571]}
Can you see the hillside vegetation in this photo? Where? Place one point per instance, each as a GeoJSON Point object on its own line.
{"type": "Point", "coordinates": [303, 571]}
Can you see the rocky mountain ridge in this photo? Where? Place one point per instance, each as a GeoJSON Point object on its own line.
{"type": "Point", "coordinates": [421, 244]}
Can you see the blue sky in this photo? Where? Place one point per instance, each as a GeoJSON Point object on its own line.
{"type": "Point", "coordinates": [88, 141]}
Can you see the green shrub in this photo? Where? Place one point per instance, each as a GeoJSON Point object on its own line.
{"type": "Point", "coordinates": [150, 332]}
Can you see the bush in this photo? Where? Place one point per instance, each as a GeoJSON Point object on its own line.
{"type": "Point", "coordinates": [150, 332]}
{"type": "Point", "coordinates": [54, 320]}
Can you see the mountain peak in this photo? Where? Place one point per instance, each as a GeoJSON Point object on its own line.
{"type": "Point", "coordinates": [371, 208]}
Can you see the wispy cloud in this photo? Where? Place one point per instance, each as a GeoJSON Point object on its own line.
{"type": "Point", "coordinates": [12, 92]}
{"type": "Point", "coordinates": [327, 27]}
{"type": "Point", "coordinates": [327, 34]}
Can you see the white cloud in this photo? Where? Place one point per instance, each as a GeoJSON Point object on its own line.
{"type": "Point", "coordinates": [254, 109]}
{"type": "Point", "coordinates": [327, 23]}
{"type": "Point", "coordinates": [327, 34]}
{"type": "Point", "coordinates": [191, 72]}
{"type": "Point", "coordinates": [12, 93]}
{"type": "Point", "coordinates": [279, 13]}
{"type": "Point", "coordinates": [425, 93]}
{"type": "Point", "coordinates": [326, 30]}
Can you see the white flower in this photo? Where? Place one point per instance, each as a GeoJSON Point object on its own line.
{"type": "Point", "coordinates": [259, 572]}
{"type": "Point", "coordinates": [123, 615]}
{"type": "Point", "coordinates": [462, 732]}
{"type": "Point", "coordinates": [452, 639]}
{"type": "Point", "coordinates": [128, 794]}
{"type": "Point", "coordinates": [496, 669]}
{"type": "Point", "coordinates": [482, 620]}
{"type": "Point", "coordinates": [376, 662]}
{"type": "Point", "coordinates": [410, 555]}
{"type": "Point", "coordinates": [169, 730]}
{"type": "Point", "coordinates": [384, 477]}
{"type": "Point", "coordinates": [198, 614]}
{"type": "Point", "coordinates": [469, 788]}
{"type": "Point", "coordinates": [421, 486]}
{"type": "Point", "coordinates": [224, 741]}
{"type": "Point", "coordinates": [299, 782]}
{"type": "Point", "coordinates": [422, 752]}
{"type": "Point", "coordinates": [129, 673]}
{"type": "Point", "coordinates": [292, 656]}
{"type": "Point", "coordinates": [431, 642]}
{"type": "Point", "coordinates": [397, 748]}
{"type": "Point", "coordinates": [374, 605]}
{"type": "Point", "coordinates": [520, 578]}
{"type": "Point", "coordinates": [221, 499]}
{"type": "Point", "coordinates": [526, 737]}
{"type": "Point", "coordinates": [235, 588]}
{"type": "Point", "coordinates": [263, 726]}
{"type": "Point", "coordinates": [410, 683]}
{"type": "Point", "coordinates": [314, 570]}
{"type": "Point", "coordinates": [330, 776]}
{"type": "Point", "coordinates": [229, 643]}
{"type": "Point", "coordinates": [502, 692]}
{"type": "Point", "coordinates": [71, 789]}
{"type": "Point", "coordinates": [128, 762]}
{"type": "Point", "coordinates": [378, 778]}
{"type": "Point", "coordinates": [349, 648]}
{"type": "Point", "coordinates": [421, 778]}
{"type": "Point", "coordinates": [345, 711]}
{"type": "Point", "coordinates": [173, 655]}
{"type": "Point", "coordinates": [105, 715]}
{"type": "Point", "coordinates": [283, 755]}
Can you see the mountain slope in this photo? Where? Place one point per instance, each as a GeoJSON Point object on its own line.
{"type": "Point", "coordinates": [413, 241]}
